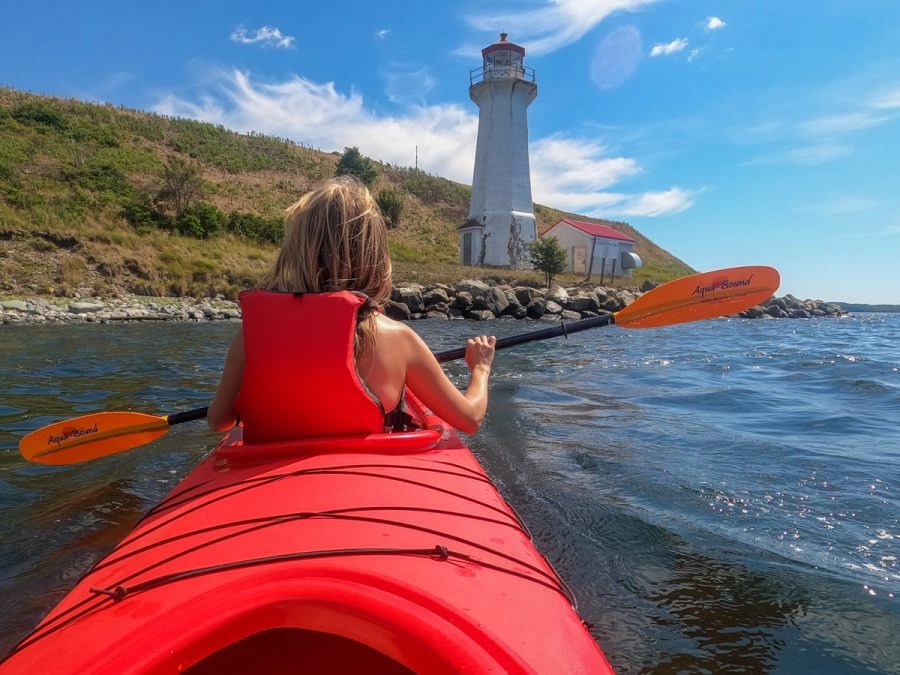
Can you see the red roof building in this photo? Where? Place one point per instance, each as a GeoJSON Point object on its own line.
{"type": "Point", "coordinates": [592, 248]}
{"type": "Point", "coordinates": [595, 230]}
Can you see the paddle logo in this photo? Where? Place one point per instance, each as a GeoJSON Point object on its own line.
{"type": "Point", "coordinates": [72, 432]}
{"type": "Point", "coordinates": [721, 284]}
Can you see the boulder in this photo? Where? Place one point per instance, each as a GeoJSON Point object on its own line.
{"type": "Point", "coordinates": [462, 301]}
{"type": "Point", "coordinates": [473, 287]}
{"type": "Point", "coordinates": [411, 296]}
{"type": "Point", "coordinates": [85, 307]}
{"type": "Point", "coordinates": [493, 300]}
{"type": "Point", "coordinates": [433, 296]}
{"type": "Point", "coordinates": [397, 311]}
{"type": "Point", "coordinates": [583, 302]}
{"type": "Point", "coordinates": [480, 315]}
{"type": "Point", "coordinates": [559, 295]}
{"type": "Point", "coordinates": [536, 308]}
{"type": "Point", "coordinates": [524, 294]}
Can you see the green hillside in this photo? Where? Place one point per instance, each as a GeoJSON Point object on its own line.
{"type": "Point", "coordinates": [116, 200]}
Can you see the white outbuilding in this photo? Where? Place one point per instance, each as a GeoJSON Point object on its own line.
{"type": "Point", "coordinates": [592, 248]}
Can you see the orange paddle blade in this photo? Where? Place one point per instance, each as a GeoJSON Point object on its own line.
{"type": "Point", "coordinates": [91, 436]}
{"type": "Point", "coordinates": [701, 296]}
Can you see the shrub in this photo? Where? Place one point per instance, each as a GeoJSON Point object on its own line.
{"type": "Point", "coordinates": [182, 184]}
{"type": "Point", "coordinates": [140, 215]}
{"type": "Point", "coordinates": [353, 163]}
{"type": "Point", "coordinates": [548, 257]}
{"type": "Point", "coordinates": [201, 221]}
{"type": "Point", "coordinates": [39, 112]}
{"type": "Point", "coordinates": [390, 201]}
{"type": "Point", "coordinates": [256, 227]}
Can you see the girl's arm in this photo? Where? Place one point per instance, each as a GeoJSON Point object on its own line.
{"type": "Point", "coordinates": [222, 415]}
{"type": "Point", "coordinates": [426, 378]}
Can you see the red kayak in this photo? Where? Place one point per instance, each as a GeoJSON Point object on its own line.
{"type": "Point", "coordinates": [390, 553]}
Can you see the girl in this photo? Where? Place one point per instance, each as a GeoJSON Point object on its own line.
{"type": "Point", "coordinates": [314, 357]}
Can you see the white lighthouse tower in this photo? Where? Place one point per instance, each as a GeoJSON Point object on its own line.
{"type": "Point", "coordinates": [501, 218]}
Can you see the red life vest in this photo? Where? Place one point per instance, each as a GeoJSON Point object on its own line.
{"type": "Point", "coordinates": [300, 378]}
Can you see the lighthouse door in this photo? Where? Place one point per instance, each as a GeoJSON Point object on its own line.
{"type": "Point", "coordinates": [467, 248]}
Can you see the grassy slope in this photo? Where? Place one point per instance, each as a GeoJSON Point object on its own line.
{"type": "Point", "coordinates": [67, 168]}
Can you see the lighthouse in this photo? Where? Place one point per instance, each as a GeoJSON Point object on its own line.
{"type": "Point", "coordinates": [501, 215]}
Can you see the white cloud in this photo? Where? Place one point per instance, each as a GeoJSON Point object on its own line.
{"type": "Point", "coordinates": [670, 48]}
{"type": "Point", "coordinates": [714, 23]}
{"type": "Point", "coordinates": [572, 174]}
{"type": "Point", "coordinates": [321, 117]}
{"type": "Point", "coordinates": [383, 33]}
{"type": "Point", "coordinates": [556, 24]}
{"type": "Point", "coordinates": [887, 100]}
{"type": "Point", "coordinates": [651, 204]}
{"type": "Point", "coordinates": [808, 155]}
{"type": "Point", "coordinates": [265, 36]}
{"type": "Point", "coordinates": [847, 205]}
{"type": "Point", "coordinates": [845, 115]}
{"type": "Point", "coordinates": [563, 166]}
{"type": "Point", "coordinates": [867, 231]}
{"type": "Point", "coordinates": [841, 124]}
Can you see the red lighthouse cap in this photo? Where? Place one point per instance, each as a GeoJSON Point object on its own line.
{"type": "Point", "coordinates": [503, 44]}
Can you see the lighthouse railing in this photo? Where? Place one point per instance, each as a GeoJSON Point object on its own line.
{"type": "Point", "coordinates": [506, 72]}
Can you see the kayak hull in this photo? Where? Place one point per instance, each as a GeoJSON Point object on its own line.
{"type": "Point", "coordinates": [370, 557]}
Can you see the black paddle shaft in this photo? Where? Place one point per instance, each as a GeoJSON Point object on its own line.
{"type": "Point", "coordinates": [561, 328]}
{"type": "Point", "coordinates": [187, 416]}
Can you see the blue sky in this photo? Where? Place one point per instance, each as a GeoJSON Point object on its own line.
{"type": "Point", "coordinates": [735, 132]}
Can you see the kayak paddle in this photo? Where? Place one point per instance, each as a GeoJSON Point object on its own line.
{"type": "Point", "coordinates": [97, 435]}
{"type": "Point", "coordinates": [692, 298]}
{"type": "Point", "coordinates": [699, 296]}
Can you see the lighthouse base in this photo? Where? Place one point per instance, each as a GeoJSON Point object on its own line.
{"type": "Point", "coordinates": [498, 239]}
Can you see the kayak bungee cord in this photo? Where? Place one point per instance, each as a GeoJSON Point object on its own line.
{"type": "Point", "coordinates": [263, 481]}
{"type": "Point", "coordinates": [277, 519]}
{"type": "Point", "coordinates": [510, 519]}
{"type": "Point", "coordinates": [119, 590]}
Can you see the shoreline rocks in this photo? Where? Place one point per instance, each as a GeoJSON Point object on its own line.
{"type": "Point", "coordinates": [469, 299]}
{"type": "Point", "coordinates": [789, 307]}
{"type": "Point", "coordinates": [118, 309]}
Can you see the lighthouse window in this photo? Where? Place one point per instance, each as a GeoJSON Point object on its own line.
{"type": "Point", "coordinates": [501, 58]}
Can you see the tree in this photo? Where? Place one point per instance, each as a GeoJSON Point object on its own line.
{"type": "Point", "coordinates": [355, 164]}
{"type": "Point", "coordinates": [182, 184]}
{"type": "Point", "coordinates": [201, 220]}
{"type": "Point", "coordinates": [390, 200]}
{"type": "Point", "coordinates": [548, 257]}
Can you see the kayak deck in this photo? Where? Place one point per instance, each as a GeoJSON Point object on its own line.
{"type": "Point", "coordinates": [386, 559]}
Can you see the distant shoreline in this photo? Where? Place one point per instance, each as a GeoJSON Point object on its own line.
{"type": "Point", "coordinates": [862, 307]}
{"type": "Point", "coordinates": [469, 299]}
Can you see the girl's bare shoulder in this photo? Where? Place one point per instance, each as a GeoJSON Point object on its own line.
{"type": "Point", "coordinates": [386, 325]}
{"type": "Point", "coordinates": [397, 333]}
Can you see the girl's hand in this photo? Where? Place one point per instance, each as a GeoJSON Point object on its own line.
{"type": "Point", "coordinates": [480, 352]}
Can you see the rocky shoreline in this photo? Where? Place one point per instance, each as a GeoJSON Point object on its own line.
{"type": "Point", "coordinates": [470, 299]}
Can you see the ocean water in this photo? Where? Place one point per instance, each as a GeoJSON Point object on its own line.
{"type": "Point", "coordinates": [720, 496]}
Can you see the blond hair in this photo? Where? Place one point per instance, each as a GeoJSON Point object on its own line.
{"type": "Point", "coordinates": [335, 239]}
